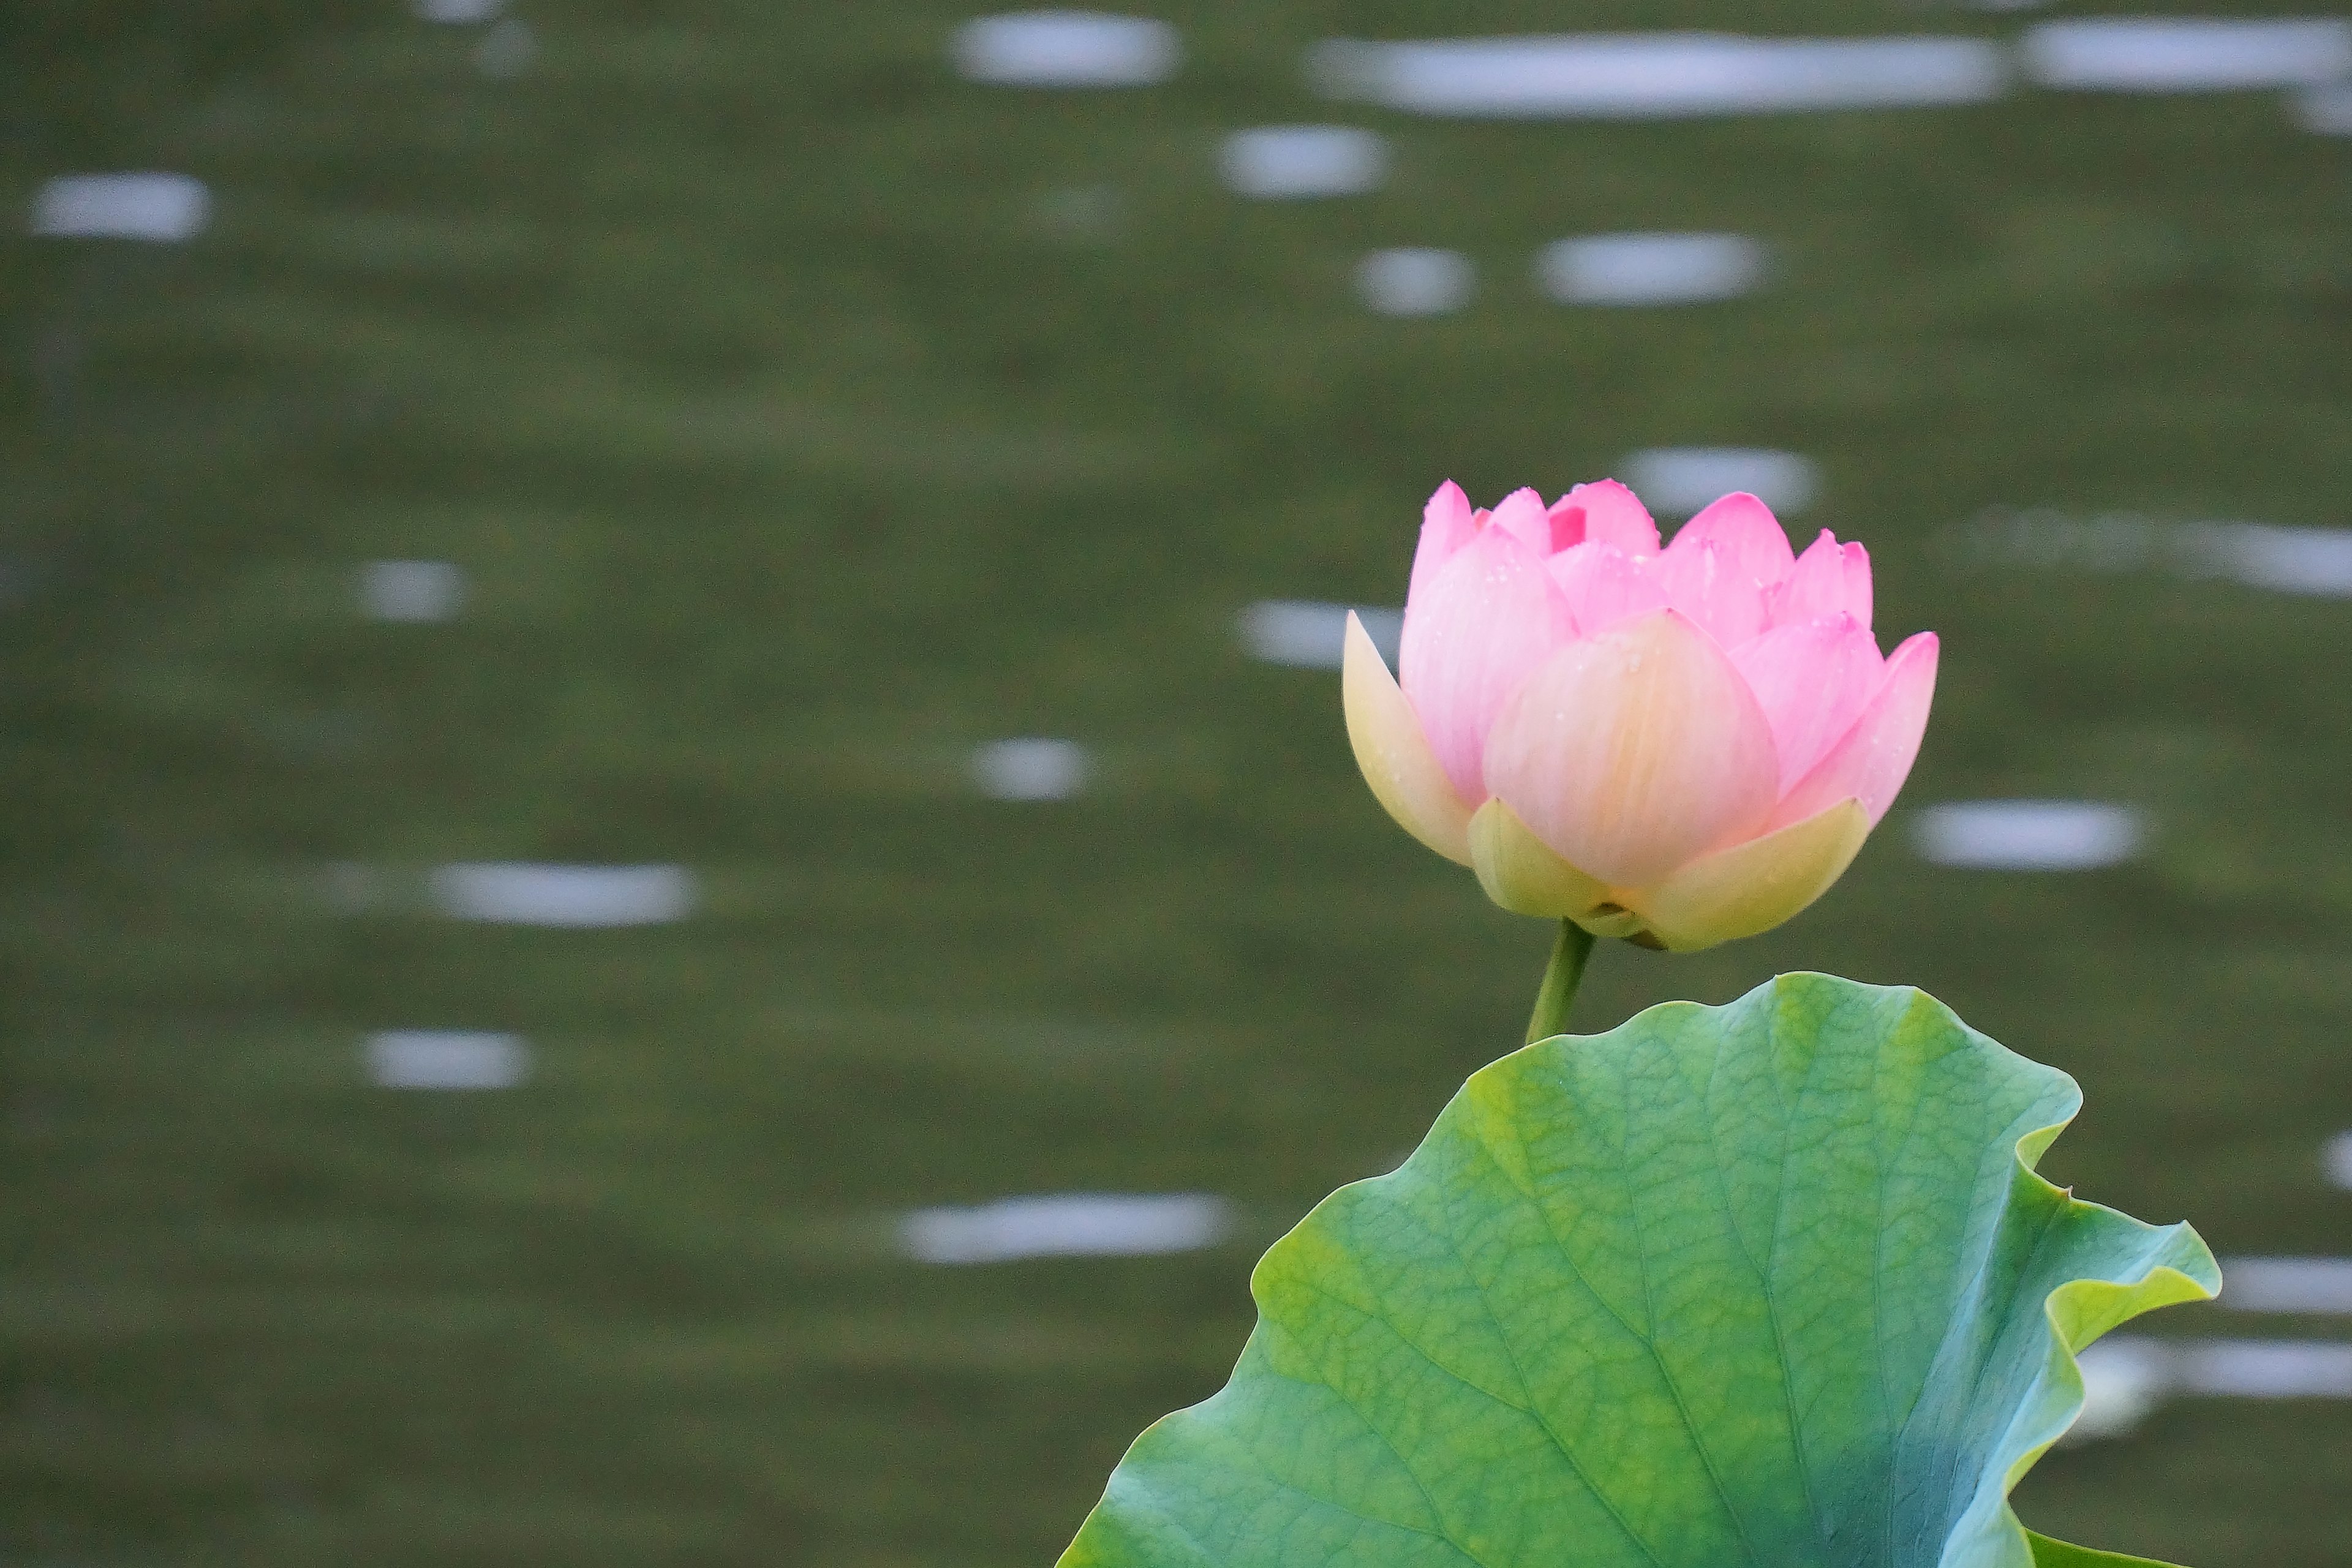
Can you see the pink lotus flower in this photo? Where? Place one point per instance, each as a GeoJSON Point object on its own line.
{"type": "Point", "coordinates": [1678, 746]}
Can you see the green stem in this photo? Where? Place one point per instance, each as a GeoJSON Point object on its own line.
{"type": "Point", "coordinates": [1559, 981]}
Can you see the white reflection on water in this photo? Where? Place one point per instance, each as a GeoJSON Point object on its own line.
{"type": "Point", "coordinates": [1650, 269]}
{"type": "Point", "coordinates": [164, 208]}
{"type": "Point", "coordinates": [1286, 162]}
{"type": "Point", "coordinates": [2266, 1369]}
{"type": "Point", "coordinates": [1656, 75]}
{"type": "Point", "coordinates": [2336, 1159]}
{"type": "Point", "coordinates": [2125, 1376]}
{"type": "Point", "coordinates": [522, 893]}
{"type": "Point", "coordinates": [2308, 561]}
{"type": "Point", "coordinates": [2153, 54]}
{"type": "Point", "coordinates": [1312, 633]}
{"type": "Point", "coordinates": [2287, 1284]}
{"type": "Point", "coordinates": [2325, 110]}
{"type": "Point", "coordinates": [1415, 280]}
{"type": "Point", "coordinates": [1065, 1224]}
{"type": "Point", "coordinates": [1065, 48]}
{"type": "Point", "coordinates": [2124, 1380]}
{"type": "Point", "coordinates": [456, 13]}
{"type": "Point", "coordinates": [2316, 561]}
{"type": "Point", "coordinates": [1030, 768]}
{"type": "Point", "coordinates": [411, 590]}
{"type": "Point", "coordinates": [1679, 480]}
{"type": "Point", "coordinates": [2028, 835]}
{"type": "Point", "coordinates": [446, 1058]}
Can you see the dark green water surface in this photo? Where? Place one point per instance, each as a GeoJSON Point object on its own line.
{"type": "Point", "coordinates": [802, 417]}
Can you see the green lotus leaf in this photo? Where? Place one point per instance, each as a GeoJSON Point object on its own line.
{"type": "Point", "coordinates": [1771, 1284]}
{"type": "Point", "coordinates": [2049, 1553]}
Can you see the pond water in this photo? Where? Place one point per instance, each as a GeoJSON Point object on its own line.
{"type": "Point", "coordinates": [682, 880]}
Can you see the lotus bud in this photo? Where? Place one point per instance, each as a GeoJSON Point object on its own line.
{"type": "Point", "coordinates": [1677, 745]}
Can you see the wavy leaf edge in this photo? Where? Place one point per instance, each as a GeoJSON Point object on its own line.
{"type": "Point", "coordinates": [2077, 1312]}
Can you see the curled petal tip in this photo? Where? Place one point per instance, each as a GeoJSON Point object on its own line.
{"type": "Point", "coordinates": [1523, 516]}
{"type": "Point", "coordinates": [1743, 530]}
{"type": "Point", "coordinates": [1604, 512]}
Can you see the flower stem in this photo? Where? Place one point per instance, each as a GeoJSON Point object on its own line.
{"type": "Point", "coordinates": [1559, 981]}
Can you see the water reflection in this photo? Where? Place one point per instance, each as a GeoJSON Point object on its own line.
{"type": "Point", "coordinates": [411, 590]}
{"type": "Point", "coordinates": [2298, 1285]}
{"type": "Point", "coordinates": [1676, 481]}
{"type": "Point", "coordinates": [166, 209]}
{"type": "Point", "coordinates": [446, 1059]}
{"type": "Point", "coordinates": [1066, 49]}
{"type": "Point", "coordinates": [1656, 76]}
{"type": "Point", "coordinates": [1416, 280]}
{"type": "Point", "coordinates": [514, 893]}
{"type": "Point", "coordinates": [1031, 768]}
{"type": "Point", "coordinates": [1634, 269]}
{"type": "Point", "coordinates": [1068, 1224]}
{"type": "Point", "coordinates": [2128, 1376]}
{"type": "Point", "coordinates": [458, 13]}
{"type": "Point", "coordinates": [2029, 834]}
{"type": "Point", "coordinates": [1289, 162]}
{"type": "Point", "coordinates": [2315, 561]}
{"type": "Point", "coordinates": [2152, 53]}
{"type": "Point", "coordinates": [1312, 633]}
{"type": "Point", "coordinates": [2325, 110]}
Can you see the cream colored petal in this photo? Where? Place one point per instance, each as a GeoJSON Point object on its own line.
{"type": "Point", "coordinates": [1753, 887]}
{"type": "Point", "coordinates": [1393, 752]}
{"type": "Point", "coordinates": [1634, 752]}
{"type": "Point", "coordinates": [1520, 873]}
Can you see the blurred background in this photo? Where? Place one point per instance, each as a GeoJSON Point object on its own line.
{"type": "Point", "coordinates": [682, 880]}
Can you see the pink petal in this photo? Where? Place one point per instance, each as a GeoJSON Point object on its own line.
{"type": "Point", "coordinates": [1705, 581]}
{"type": "Point", "coordinates": [1521, 515]}
{"type": "Point", "coordinates": [1446, 525]}
{"type": "Point", "coordinates": [1488, 617]}
{"type": "Point", "coordinates": [1632, 752]}
{"type": "Point", "coordinates": [1812, 679]}
{"type": "Point", "coordinates": [1873, 757]}
{"type": "Point", "coordinates": [1829, 579]}
{"type": "Point", "coordinates": [1603, 586]}
{"type": "Point", "coordinates": [1604, 512]}
{"type": "Point", "coordinates": [1745, 534]}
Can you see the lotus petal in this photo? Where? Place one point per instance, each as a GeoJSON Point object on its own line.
{"type": "Point", "coordinates": [1393, 752]}
{"type": "Point", "coordinates": [1446, 525]}
{"type": "Point", "coordinates": [1603, 512]}
{"type": "Point", "coordinates": [1604, 586]}
{"type": "Point", "coordinates": [1521, 873]}
{"type": "Point", "coordinates": [1490, 616]}
{"type": "Point", "coordinates": [1521, 515]}
{"type": "Point", "coordinates": [1631, 753]}
{"type": "Point", "coordinates": [1874, 758]}
{"type": "Point", "coordinates": [1753, 887]}
{"type": "Point", "coordinates": [1812, 679]}
{"type": "Point", "coordinates": [1743, 530]}
{"type": "Point", "coordinates": [1710, 585]}
{"type": "Point", "coordinates": [1829, 579]}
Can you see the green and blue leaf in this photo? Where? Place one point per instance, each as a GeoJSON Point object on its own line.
{"type": "Point", "coordinates": [1771, 1284]}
